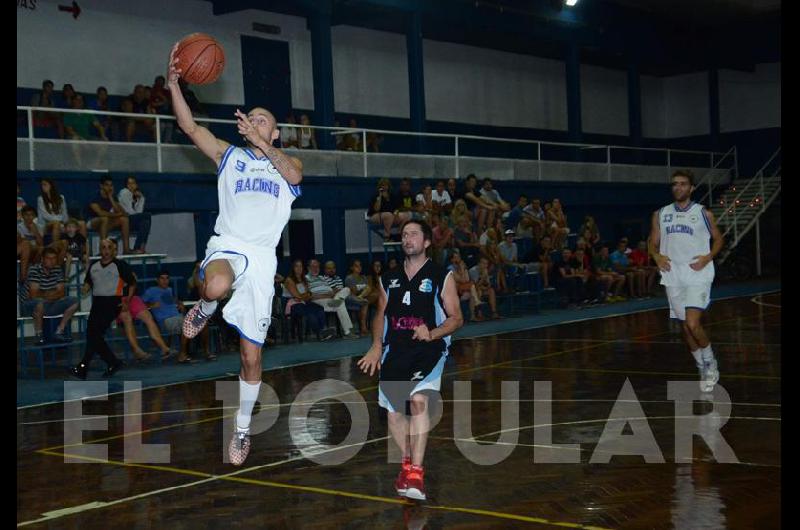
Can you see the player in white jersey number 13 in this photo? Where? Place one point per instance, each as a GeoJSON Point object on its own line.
{"type": "Point", "coordinates": [679, 244]}
{"type": "Point", "coordinates": [256, 187]}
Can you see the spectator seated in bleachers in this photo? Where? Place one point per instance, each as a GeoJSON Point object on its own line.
{"type": "Point", "coordinates": [404, 204]}
{"type": "Point", "coordinates": [137, 310]}
{"type": "Point", "coordinates": [466, 242]}
{"type": "Point", "coordinates": [634, 277]}
{"type": "Point", "coordinates": [52, 213]}
{"type": "Point", "coordinates": [491, 251]}
{"type": "Point", "coordinates": [45, 295]}
{"type": "Point", "coordinates": [613, 281]}
{"type": "Point", "coordinates": [641, 260]}
{"type": "Point", "coordinates": [28, 230]}
{"type": "Point", "coordinates": [326, 293]}
{"type": "Point", "coordinates": [307, 138]}
{"type": "Point", "coordinates": [297, 294]}
{"type": "Point", "coordinates": [442, 202]}
{"type": "Point", "coordinates": [131, 199]}
{"type": "Point", "coordinates": [492, 196]}
{"type": "Point", "coordinates": [359, 290]}
{"type": "Point", "coordinates": [46, 124]}
{"type": "Point", "coordinates": [570, 279]}
{"type": "Point", "coordinates": [557, 224]}
{"type": "Point", "coordinates": [589, 231]}
{"type": "Point", "coordinates": [169, 312]}
{"type": "Point", "coordinates": [381, 210]}
{"type": "Point", "coordinates": [533, 218]}
{"type": "Point", "coordinates": [106, 214]}
{"type": "Point", "coordinates": [442, 243]}
{"type": "Point", "coordinates": [73, 245]}
{"type": "Point", "coordinates": [464, 285]}
{"type": "Point", "coordinates": [485, 281]}
{"type": "Point", "coordinates": [460, 211]}
{"type": "Point", "coordinates": [424, 202]}
{"type": "Point", "coordinates": [483, 210]}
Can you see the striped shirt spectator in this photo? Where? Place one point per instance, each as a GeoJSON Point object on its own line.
{"type": "Point", "coordinates": [331, 278]}
{"type": "Point", "coordinates": [48, 279]}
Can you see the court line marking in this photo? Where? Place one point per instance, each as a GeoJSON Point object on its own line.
{"type": "Point", "coordinates": [584, 450]}
{"type": "Point", "coordinates": [373, 387]}
{"type": "Point", "coordinates": [637, 372]}
{"type": "Point", "coordinates": [276, 368]}
{"type": "Point", "coordinates": [583, 422]}
{"type": "Point", "coordinates": [55, 514]}
{"type": "Point", "coordinates": [629, 341]}
{"type": "Point", "coordinates": [373, 402]}
{"type": "Point", "coordinates": [759, 302]}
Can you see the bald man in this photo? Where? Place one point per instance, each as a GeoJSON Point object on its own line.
{"type": "Point", "coordinates": [257, 185]}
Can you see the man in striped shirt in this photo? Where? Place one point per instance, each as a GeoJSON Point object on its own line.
{"type": "Point", "coordinates": [324, 294]}
{"type": "Point", "coordinates": [45, 296]}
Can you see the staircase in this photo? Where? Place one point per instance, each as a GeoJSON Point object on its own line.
{"type": "Point", "coordinates": [739, 207]}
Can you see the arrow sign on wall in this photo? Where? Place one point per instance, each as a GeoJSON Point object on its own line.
{"type": "Point", "coordinates": [74, 9]}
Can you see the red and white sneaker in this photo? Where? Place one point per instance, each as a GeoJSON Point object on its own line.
{"type": "Point", "coordinates": [401, 484]}
{"type": "Point", "coordinates": [239, 447]}
{"type": "Point", "coordinates": [415, 483]}
{"type": "Point", "coordinates": [194, 322]}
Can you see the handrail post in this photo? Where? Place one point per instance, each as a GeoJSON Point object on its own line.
{"type": "Point", "coordinates": [539, 157]}
{"type": "Point", "coordinates": [30, 139]}
{"type": "Point", "coordinates": [364, 149]}
{"type": "Point", "coordinates": [158, 144]}
{"type": "Point", "coordinates": [608, 163]}
{"type": "Point", "coordinates": [669, 164]}
{"type": "Point", "coordinates": [457, 169]}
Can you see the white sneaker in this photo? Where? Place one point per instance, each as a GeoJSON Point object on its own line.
{"type": "Point", "coordinates": [710, 376]}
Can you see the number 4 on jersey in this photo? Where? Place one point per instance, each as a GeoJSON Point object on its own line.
{"type": "Point", "coordinates": [407, 298]}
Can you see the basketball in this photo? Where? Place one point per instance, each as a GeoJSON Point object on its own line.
{"type": "Point", "coordinates": [201, 58]}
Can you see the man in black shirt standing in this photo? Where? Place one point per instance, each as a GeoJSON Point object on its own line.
{"type": "Point", "coordinates": [418, 310]}
{"type": "Point", "coordinates": [108, 279]}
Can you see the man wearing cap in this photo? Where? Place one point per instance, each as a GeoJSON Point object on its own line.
{"type": "Point", "coordinates": [509, 254]}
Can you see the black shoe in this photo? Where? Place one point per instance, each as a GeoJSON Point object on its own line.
{"type": "Point", "coordinates": [79, 371]}
{"type": "Point", "coordinates": [62, 337]}
{"type": "Point", "coordinates": [112, 369]}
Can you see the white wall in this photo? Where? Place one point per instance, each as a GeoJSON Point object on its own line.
{"type": "Point", "coordinates": [370, 72]}
{"type": "Point", "coordinates": [604, 100]}
{"type": "Point", "coordinates": [654, 114]}
{"type": "Point", "coordinates": [472, 85]}
{"type": "Point", "coordinates": [118, 44]}
{"type": "Point", "coordinates": [675, 107]}
{"type": "Point", "coordinates": [750, 100]}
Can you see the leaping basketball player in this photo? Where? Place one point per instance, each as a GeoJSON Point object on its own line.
{"type": "Point", "coordinates": [679, 244]}
{"type": "Point", "coordinates": [257, 185]}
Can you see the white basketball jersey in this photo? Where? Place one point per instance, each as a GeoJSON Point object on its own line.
{"type": "Point", "coordinates": [255, 202]}
{"type": "Point", "coordinates": [685, 233]}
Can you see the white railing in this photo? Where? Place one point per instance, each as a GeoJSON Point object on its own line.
{"type": "Point", "coordinates": [709, 179]}
{"type": "Point", "coordinates": [732, 213]}
{"type": "Point", "coordinates": [705, 160]}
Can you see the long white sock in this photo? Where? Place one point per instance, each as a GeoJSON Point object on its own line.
{"type": "Point", "coordinates": [697, 356]}
{"type": "Point", "coordinates": [708, 353]}
{"type": "Point", "coordinates": [208, 307]}
{"type": "Point", "coordinates": [248, 394]}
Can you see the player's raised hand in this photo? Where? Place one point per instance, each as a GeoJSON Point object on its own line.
{"type": "Point", "coordinates": [173, 71]}
{"type": "Point", "coordinates": [246, 128]}
{"type": "Point", "coordinates": [422, 333]}
{"type": "Point", "coordinates": [371, 361]}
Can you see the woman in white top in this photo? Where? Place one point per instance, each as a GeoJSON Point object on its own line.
{"type": "Point", "coordinates": [289, 134]}
{"type": "Point", "coordinates": [307, 138]}
{"type": "Point", "coordinates": [131, 199]}
{"type": "Point", "coordinates": [52, 211]}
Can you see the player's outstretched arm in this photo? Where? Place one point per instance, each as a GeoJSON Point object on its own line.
{"type": "Point", "coordinates": [212, 147]}
{"type": "Point", "coordinates": [371, 361]}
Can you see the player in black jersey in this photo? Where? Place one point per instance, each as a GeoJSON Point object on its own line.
{"type": "Point", "coordinates": [418, 310]}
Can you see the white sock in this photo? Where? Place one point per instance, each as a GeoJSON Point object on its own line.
{"type": "Point", "coordinates": [697, 356]}
{"type": "Point", "coordinates": [708, 353]}
{"type": "Point", "coordinates": [248, 394]}
{"type": "Point", "coordinates": [207, 307]}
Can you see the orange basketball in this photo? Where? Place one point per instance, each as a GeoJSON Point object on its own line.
{"type": "Point", "coordinates": [201, 59]}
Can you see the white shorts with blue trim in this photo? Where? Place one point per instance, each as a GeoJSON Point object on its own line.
{"type": "Point", "coordinates": [683, 297]}
{"type": "Point", "coordinates": [249, 309]}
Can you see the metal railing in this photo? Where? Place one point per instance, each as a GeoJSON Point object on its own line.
{"type": "Point", "coordinates": [567, 153]}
